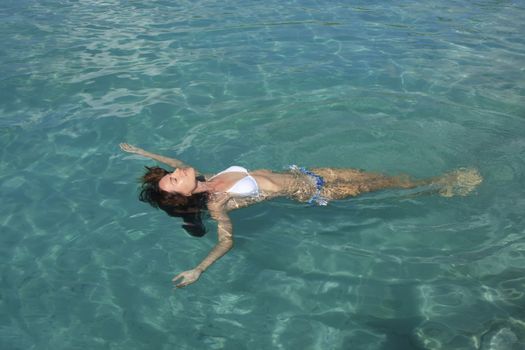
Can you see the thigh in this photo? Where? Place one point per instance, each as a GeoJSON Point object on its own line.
{"type": "Point", "coordinates": [343, 183]}
{"type": "Point", "coordinates": [334, 190]}
{"type": "Point", "coordinates": [347, 175]}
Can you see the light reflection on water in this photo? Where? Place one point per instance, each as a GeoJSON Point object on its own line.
{"type": "Point", "coordinates": [418, 88]}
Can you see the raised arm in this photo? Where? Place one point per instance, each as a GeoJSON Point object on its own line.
{"type": "Point", "coordinates": [174, 163]}
{"type": "Point", "coordinates": [224, 244]}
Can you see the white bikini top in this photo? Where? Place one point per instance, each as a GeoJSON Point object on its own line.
{"type": "Point", "coordinates": [245, 187]}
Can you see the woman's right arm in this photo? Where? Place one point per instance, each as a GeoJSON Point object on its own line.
{"type": "Point", "coordinates": [174, 163]}
{"type": "Point", "coordinates": [224, 243]}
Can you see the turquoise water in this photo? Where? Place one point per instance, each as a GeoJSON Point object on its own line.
{"type": "Point", "coordinates": [420, 87]}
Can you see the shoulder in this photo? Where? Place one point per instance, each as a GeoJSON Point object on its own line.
{"type": "Point", "coordinates": [217, 202]}
{"type": "Point", "coordinates": [232, 169]}
{"type": "Point", "coordinates": [235, 168]}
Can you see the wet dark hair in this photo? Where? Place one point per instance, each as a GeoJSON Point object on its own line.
{"type": "Point", "coordinates": [190, 209]}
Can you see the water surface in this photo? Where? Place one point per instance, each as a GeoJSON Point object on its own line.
{"type": "Point", "coordinates": [421, 87]}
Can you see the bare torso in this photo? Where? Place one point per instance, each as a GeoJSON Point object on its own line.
{"type": "Point", "coordinates": [271, 184]}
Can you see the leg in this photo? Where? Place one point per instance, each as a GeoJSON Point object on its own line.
{"type": "Point", "coordinates": [343, 183]}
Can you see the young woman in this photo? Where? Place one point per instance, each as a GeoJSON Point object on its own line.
{"type": "Point", "coordinates": [186, 192]}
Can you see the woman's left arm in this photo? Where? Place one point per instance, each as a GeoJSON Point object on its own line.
{"type": "Point", "coordinates": [224, 244]}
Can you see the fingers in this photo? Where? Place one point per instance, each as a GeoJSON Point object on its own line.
{"type": "Point", "coordinates": [186, 279]}
{"type": "Point", "coordinates": [127, 147]}
{"type": "Point", "coordinates": [184, 283]}
{"type": "Point", "coordinates": [177, 277]}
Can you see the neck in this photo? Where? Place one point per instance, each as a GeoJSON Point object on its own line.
{"type": "Point", "coordinates": [203, 187]}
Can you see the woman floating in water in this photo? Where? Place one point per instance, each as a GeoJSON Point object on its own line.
{"type": "Point", "coordinates": [185, 193]}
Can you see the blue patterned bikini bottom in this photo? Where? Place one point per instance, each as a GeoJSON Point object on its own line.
{"type": "Point", "coordinates": [319, 183]}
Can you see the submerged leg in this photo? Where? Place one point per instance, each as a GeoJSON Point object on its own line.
{"type": "Point", "coordinates": [459, 182]}
{"type": "Point", "coordinates": [343, 183]}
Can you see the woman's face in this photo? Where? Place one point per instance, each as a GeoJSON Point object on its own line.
{"type": "Point", "coordinates": [180, 181]}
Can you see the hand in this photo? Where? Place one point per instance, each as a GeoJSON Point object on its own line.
{"type": "Point", "coordinates": [188, 277]}
{"type": "Point", "coordinates": [126, 147]}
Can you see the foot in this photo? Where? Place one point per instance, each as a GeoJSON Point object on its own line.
{"type": "Point", "coordinates": [459, 182]}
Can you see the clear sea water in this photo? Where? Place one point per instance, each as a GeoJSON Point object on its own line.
{"type": "Point", "coordinates": [417, 87]}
